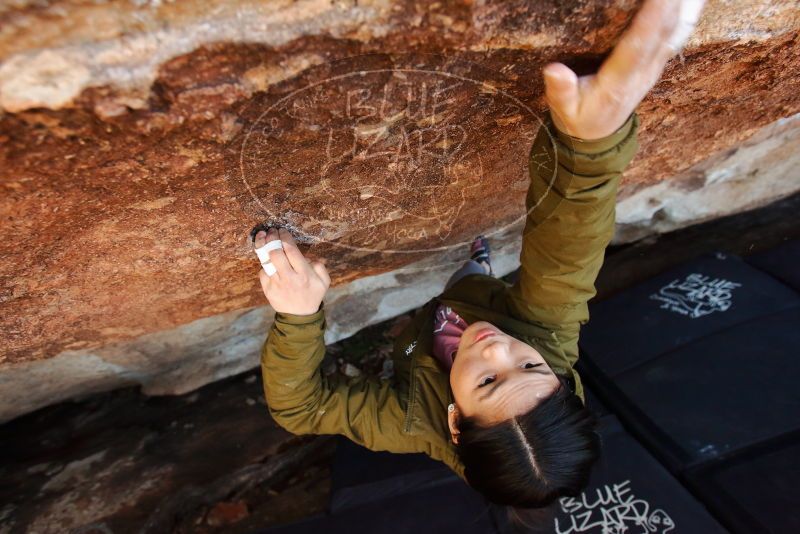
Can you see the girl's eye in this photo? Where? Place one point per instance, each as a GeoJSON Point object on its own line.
{"type": "Point", "coordinates": [530, 365]}
{"type": "Point", "coordinates": [486, 381]}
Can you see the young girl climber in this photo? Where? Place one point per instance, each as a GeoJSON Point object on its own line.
{"type": "Point", "coordinates": [484, 374]}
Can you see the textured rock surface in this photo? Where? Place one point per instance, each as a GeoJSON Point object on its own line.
{"type": "Point", "coordinates": [140, 142]}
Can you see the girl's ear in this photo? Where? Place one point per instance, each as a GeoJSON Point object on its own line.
{"type": "Point", "coordinates": [452, 422]}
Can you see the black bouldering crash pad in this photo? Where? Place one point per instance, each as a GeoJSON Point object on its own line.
{"type": "Point", "coordinates": [702, 297]}
{"type": "Point", "coordinates": [631, 492]}
{"type": "Point", "coordinates": [782, 262]}
{"type": "Point", "coordinates": [757, 491]}
{"type": "Point", "coordinates": [360, 476]}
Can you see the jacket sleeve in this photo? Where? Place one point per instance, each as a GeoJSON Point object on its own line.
{"type": "Point", "coordinates": [304, 401]}
{"type": "Point", "coordinates": [571, 207]}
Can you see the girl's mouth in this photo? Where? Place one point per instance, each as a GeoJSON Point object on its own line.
{"type": "Point", "coordinates": [483, 334]}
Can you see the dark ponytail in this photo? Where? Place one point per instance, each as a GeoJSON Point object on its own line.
{"type": "Point", "coordinates": [531, 460]}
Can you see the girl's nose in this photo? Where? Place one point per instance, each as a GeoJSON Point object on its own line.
{"type": "Point", "coordinates": [495, 350]}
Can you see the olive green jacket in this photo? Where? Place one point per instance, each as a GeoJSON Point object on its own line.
{"type": "Point", "coordinates": [570, 220]}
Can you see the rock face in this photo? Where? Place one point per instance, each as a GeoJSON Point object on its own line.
{"type": "Point", "coordinates": [141, 141]}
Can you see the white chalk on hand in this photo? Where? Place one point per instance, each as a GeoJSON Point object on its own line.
{"type": "Point", "coordinates": [263, 255]}
{"type": "Point", "coordinates": [689, 14]}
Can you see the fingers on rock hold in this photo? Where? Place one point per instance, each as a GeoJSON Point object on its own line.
{"type": "Point", "coordinates": [561, 86]}
{"type": "Point", "coordinates": [266, 246]}
{"type": "Point", "coordinates": [265, 280]}
{"type": "Point", "coordinates": [260, 239]}
{"type": "Point", "coordinates": [688, 15]}
{"type": "Point", "coordinates": [293, 254]}
{"type": "Point", "coordinates": [322, 272]}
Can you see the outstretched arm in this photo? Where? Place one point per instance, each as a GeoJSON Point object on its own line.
{"type": "Point", "coordinates": [594, 106]}
{"type": "Point", "coordinates": [576, 163]}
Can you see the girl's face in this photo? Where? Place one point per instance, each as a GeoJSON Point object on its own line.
{"type": "Point", "coordinates": [495, 376]}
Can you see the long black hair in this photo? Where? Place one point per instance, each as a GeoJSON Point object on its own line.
{"type": "Point", "coordinates": [531, 460]}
